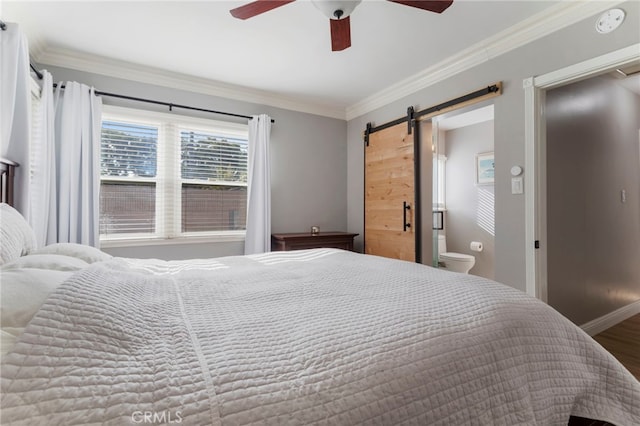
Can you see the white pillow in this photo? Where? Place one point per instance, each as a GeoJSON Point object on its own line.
{"type": "Point", "coordinates": [8, 337]}
{"type": "Point", "coordinates": [16, 236]}
{"type": "Point", "coordinates": [87, 253]}
{"type": "Point", "coordinates": [23, 291]}
{"type": "Point", "coordinates": [52, 262]}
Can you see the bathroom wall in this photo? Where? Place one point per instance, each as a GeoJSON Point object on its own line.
{"type": "Point", "coordinates": [470, 207]}
{"type": "Point", "coordinates": [593, 234]}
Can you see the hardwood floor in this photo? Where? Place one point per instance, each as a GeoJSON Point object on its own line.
{"type": "Point", "coordinates": [623, 341]}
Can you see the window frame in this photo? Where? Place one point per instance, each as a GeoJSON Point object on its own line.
{"type": "Point", "coordinates": [440, 183]}
{"type": "Point", "coordinates": [168, 179]}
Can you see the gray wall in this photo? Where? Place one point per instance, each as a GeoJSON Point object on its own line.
{"type": "Point", "coordinates": [593, 237]}
{"type": "Point", "coordinates": [308, 154]}
{"type": "Point", "coordinates": [470, 207]}
{"type": "Point", "coordinates": [568, 46]}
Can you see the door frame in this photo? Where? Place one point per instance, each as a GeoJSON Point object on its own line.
{"type": "Point", "coordinates": [535, 187]}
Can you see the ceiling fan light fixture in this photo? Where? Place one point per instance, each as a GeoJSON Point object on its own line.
{"type": "Point", "coordinates": [336, 9]}
{"type": "Point", "coordinates": [338, 12]}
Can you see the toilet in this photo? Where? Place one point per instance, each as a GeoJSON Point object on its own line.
{"type": "Point", "coordinates": [456, 262]}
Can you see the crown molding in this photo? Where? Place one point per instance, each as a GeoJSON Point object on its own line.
{"type": "Point", "coordinates": [36, 47]}
{"type": "Point", "coordinates": [95, 64]}
{"type": "Point", "coordinates": [537, 26]}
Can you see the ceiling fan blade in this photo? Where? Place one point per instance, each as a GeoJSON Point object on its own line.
{"type": "Point", "coordinates": [340, 34]}
{"type": "Point", "coordinates": [257, 7]}
{"type": "Point", "coordinates": [437, 6]}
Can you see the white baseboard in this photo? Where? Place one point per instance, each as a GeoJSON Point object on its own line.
{"type": "Point", "coordinates": [599, 325]}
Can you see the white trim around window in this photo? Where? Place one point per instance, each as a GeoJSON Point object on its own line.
{"type": "Point", "coordinates": [168, 220]}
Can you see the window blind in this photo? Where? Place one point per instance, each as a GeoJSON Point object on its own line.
{"type": "Point", "coordinates": [168, 176]}
{"type": "Point", "coordinates": [214, 181]}
{"type": "Point", "coordinates": [128, 150]}
{"type": "Point", "coordinates": [128, 169]}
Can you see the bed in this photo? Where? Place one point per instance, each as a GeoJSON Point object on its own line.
{"type": "Point", "coordinates": [320, 336]}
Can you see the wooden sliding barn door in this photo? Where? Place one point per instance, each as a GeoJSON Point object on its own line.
{"type": "Point", "coordinates": [390, 196]}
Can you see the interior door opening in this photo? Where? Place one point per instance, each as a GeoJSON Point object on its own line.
{"type": "Point", "coordinates": [592, 195]}
{"type": "Point", "coordinates": [462, 214]}
{"type": "Point", "coordinates": [536, 185]}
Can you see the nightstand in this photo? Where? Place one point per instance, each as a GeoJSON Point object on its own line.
{"type": "Point", "coordinates": [306, 240]}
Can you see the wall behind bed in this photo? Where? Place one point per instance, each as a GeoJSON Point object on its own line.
{"type": "Point", "coordinates": [308, 154]}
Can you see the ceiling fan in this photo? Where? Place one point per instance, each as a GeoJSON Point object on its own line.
{"type": "Point", "coordinates": [337, 11]}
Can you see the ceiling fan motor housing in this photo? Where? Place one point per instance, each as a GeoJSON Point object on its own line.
{"type": "Point", "coordinates": [336, 9]}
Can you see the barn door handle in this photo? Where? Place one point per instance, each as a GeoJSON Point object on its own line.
{"type": "Point", "coordinates": [405, 207]}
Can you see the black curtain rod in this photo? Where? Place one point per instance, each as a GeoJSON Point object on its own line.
{"type": "Point", "coordinates": [38, 73]}
{"type": "Point", "coordinates": [3, 26]}
{"type": "Point", "coordinates": [151, 101]}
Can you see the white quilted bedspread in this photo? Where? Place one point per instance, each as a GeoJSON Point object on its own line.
{"type": "Point", "coordinates": [308, 337]}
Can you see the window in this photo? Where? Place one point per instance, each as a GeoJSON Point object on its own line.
{"type": "Point", "coordinates": [214, 181]}
{"type": "Point", "coordinates": [439, 167]}
{"type": "Point", "coordinates": [128, 177]}
{"type": "Point", "coordinates": [165, 176]}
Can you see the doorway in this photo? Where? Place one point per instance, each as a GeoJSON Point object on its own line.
{"type": "Point", "coordinates": [593, 188]}
{"type": "Point", "coordinates": [463, 206]}
{"type": "Point", "coordinates": [593, 316]}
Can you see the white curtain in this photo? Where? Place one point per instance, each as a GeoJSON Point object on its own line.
{"type": "Point", "coordinates": [44, 207]}
{"type": "Point", "coordinates": [258, 237]}
{"type": "Point", "coordinates": [77, 146]}
{"type": "Point", "coordinates": [15, 107]}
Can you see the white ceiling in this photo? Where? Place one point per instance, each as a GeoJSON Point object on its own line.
{"type": "Point", "coordinates": [283, 53]}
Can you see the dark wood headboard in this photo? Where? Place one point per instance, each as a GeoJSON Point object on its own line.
{"type": "Point", "coordinates": [7, 174]}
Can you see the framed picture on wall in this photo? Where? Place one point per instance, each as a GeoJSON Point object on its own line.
{"type": "Point", "coordinates": [485, 168]}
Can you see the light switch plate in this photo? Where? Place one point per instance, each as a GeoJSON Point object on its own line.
{"type": "Point", "coordinates": [516, 185]}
